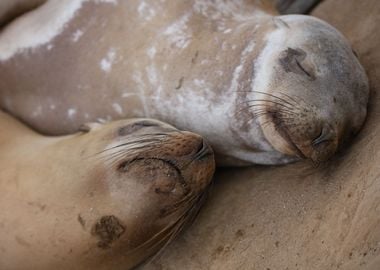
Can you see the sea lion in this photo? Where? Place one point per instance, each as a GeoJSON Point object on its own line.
{"type": "Point", "coordinates": [105, 198]}
{"type": "Point", "coordinates": [260, 88]}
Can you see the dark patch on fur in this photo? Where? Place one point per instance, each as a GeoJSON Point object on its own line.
{"type": "Point", "coordinates": [82, 222]}
{"type": "Point", "coordinates": [22, 242]}
{"type": "Point", "coordinates": [195, 57]}
{"type": "Point", "coordinates": [355, 53]}
{"type": "Point", "coordinates": [38, 205]}
{"type": "Point", "coordinates": [291, 61]}
{"type": "Point", "coordinates": [107, 229]}
{"type": "Point", "coordinates": [239, 233]}
{"type": "Point", "coordinates": [180, 82]}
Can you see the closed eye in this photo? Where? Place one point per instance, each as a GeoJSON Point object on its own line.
{"type": "Point", "coordinates": [145, 124]}
{"type": "Point", "coordinates": [295, 61]}
{"type": "Point", "coordinates": [129, 129]}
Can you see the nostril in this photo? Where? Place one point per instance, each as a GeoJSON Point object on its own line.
{"type": "Point", "coordinates": [323, 137]}
{"type": "Point", "coordinates": [318, 139]}
{"type": "Point", "coordinates": [201, 146]}
{"type": "Point", "coordinates": [203, 150]}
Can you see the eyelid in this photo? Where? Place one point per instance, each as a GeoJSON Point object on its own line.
{"type": "Point", "coordinates": [303, 69]}
{"type": "Point", "coordinates": [145, 124]}
{"type": "Point", "coordinates": [129, 129]}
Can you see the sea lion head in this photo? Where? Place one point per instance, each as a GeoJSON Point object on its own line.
{"type": "Point", "coordinates": [155, 179]}
{"type": "Point", "coordinates": [310, 90]}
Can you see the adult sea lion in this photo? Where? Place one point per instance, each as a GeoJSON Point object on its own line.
{"type": "Point", "coordinates": [261, 88]}
{"type": "Point", "coordinates": [106, 198]}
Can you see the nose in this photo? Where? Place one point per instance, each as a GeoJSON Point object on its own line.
{"type": "Point", "coordinates": [325, 135]}
{"type": "Point", "coordinates": [193, 158]}
{"type": "Point", "coordinates": [194, 146]}
{"type": "Point", "coordinates": [324, 145]}
{"type": "Point", "coordinates": [188, 144]}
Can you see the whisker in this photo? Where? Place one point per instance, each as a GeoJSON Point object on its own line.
{"type": "Point", "coordinates": [130, 144]}
{"type": "Point", "coordinates": [168, 238]}
{"type": "Point", "coordinates": [247, 107]}
{"type": "Point", "coordinates": [187, 217]}
{"type": "Point", "coordinates": [254, 112]}
{"type": "Point", "coordinates": [174, 229]}
{"type": "Point", "coordinates": [272, 108]}
{"type": "Point", "coordinates": [260, 107]}
{"type": "Point", "coordinates": [266, 123]}
{"type": "Point", "coordinates": [279, 111]}
{"type": "Point", "coordinates": [126, 144]}
{"type": "Point", "coordinates": [153, 238]}
{"type": "Point", "coordinates": [274, 96]}
{"type": "Point", "coordinates": [269, 101]}
{"type": "Point", "coordinates": [293, 101]}
{"type": "Point", "coordinates": [281, 93]}
{"type": "Point", "coordinates": [291, 98]}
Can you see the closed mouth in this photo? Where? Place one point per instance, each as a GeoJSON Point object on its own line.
{"type": "Point", "coordinates": [285, 135]}
{"type": "Point", "coordinates": [295, 148]}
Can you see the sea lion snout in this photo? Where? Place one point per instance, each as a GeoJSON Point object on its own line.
{"type": "Point", "coordinates": [324, 145]}
{"type": "Point", "coordinates": [190, 155]}
{"type": "Point", "coordinates": [187, 145]}
{"type": "Point", "coordinates": [166, 159]}
{"type": "Point", "coordinates": [302, 131]}
{"type": "Point", "coordinates": [314, 141]}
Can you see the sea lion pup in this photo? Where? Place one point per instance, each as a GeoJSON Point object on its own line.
{"type": "Point", "coordinates": [107, 198]}
{"type": "Point", "coordinates": [261, 88]}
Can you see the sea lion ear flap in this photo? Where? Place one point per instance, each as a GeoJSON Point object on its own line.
{"type": "Point", "coordinates": [87, 127]}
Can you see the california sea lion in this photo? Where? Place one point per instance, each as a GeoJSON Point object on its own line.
{"type": "Point", "coordinates": [107, 198]}
{"type": "Point", "coordinates": [261, 88]}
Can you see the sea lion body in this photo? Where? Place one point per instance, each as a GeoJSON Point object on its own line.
{"type": "Point", "coordinates": [206, 66]}
{"type": "Point", "coordinates": [107, 198]}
